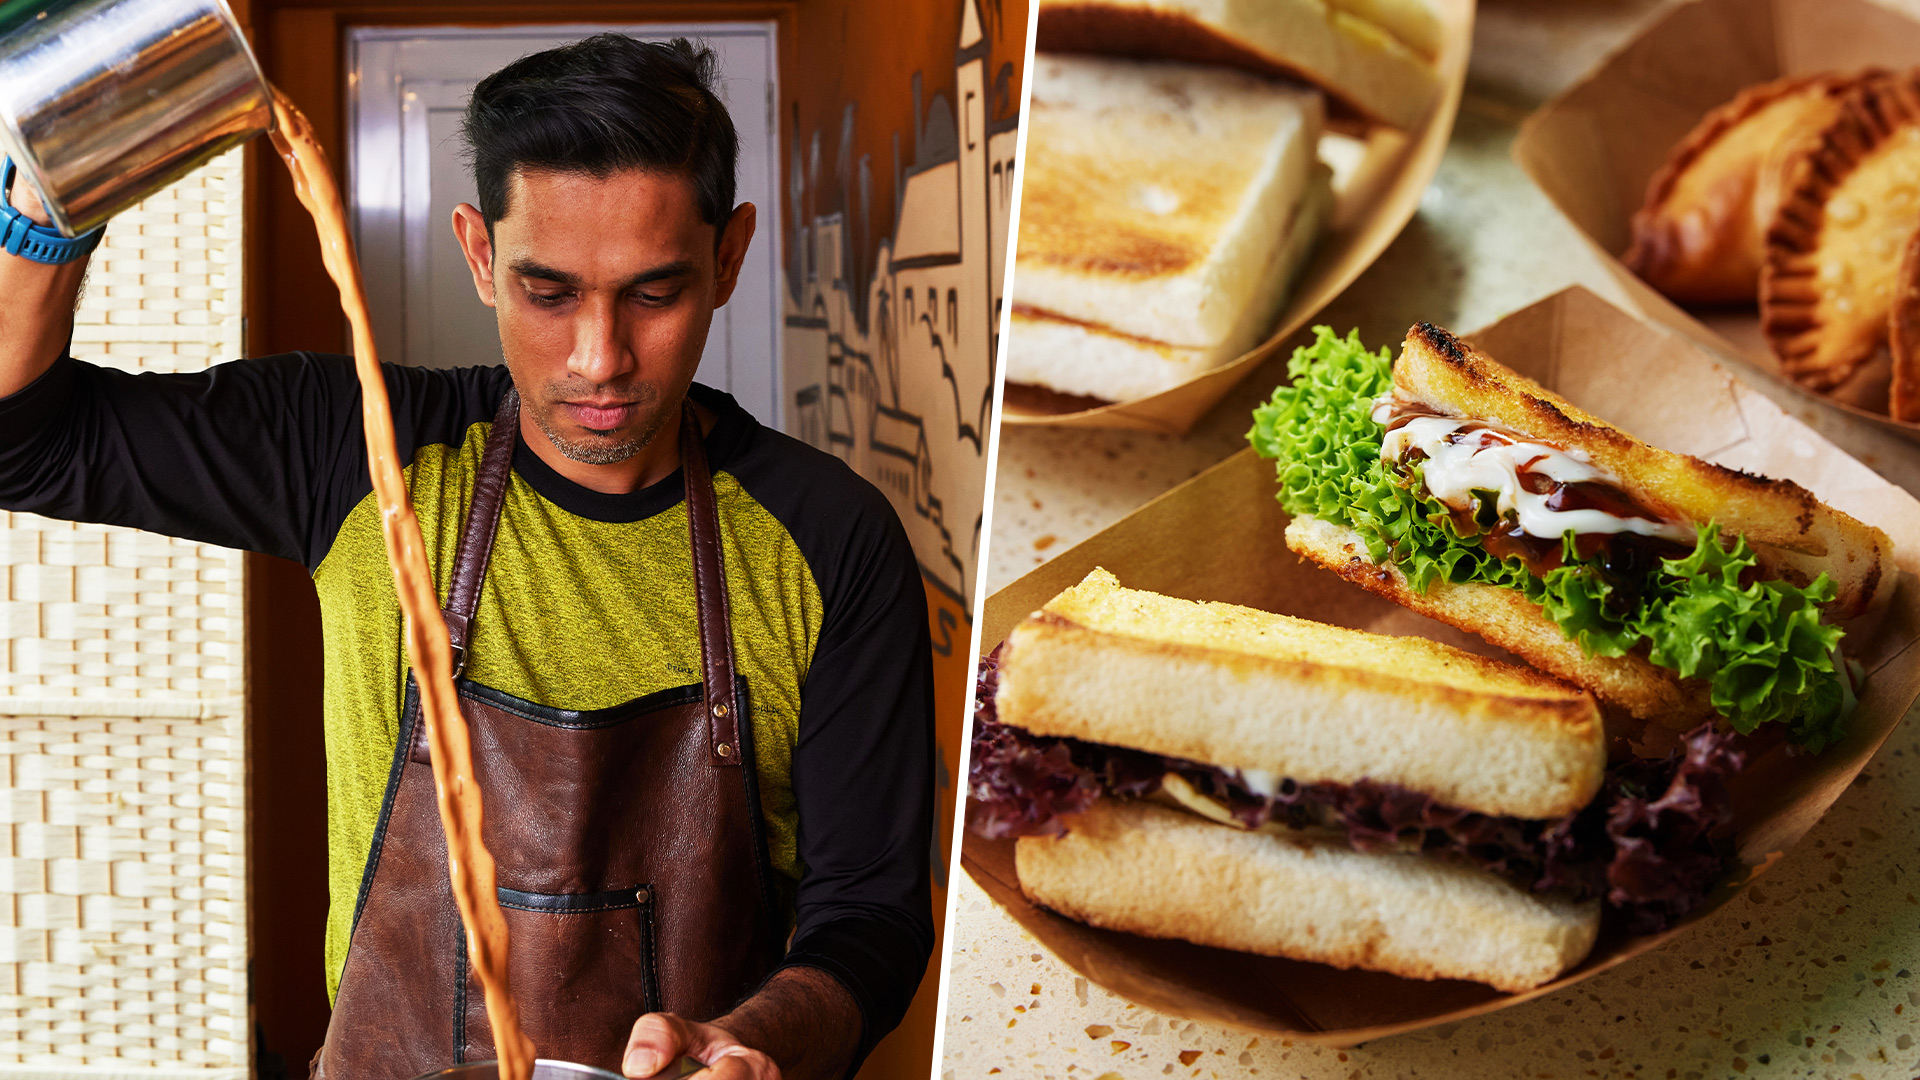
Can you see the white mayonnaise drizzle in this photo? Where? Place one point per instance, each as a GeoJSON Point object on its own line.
{"type": "Point", "coordinates": [1488, 459]}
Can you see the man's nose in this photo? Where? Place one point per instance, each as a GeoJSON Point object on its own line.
{"type": "Point", "coordinates": [600, 352]}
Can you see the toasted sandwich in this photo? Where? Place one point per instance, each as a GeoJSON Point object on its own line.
{"type": "Point", "coordinates": [1673, 588]}
{"type": "Point", "coordinates": [1074, 357]}
{"type": "Point", "coordinates": [1267, 784]}
{"type": "Point", "coordinates": [1376, 57]}
{"type": "Point", "coordinates": [1166, 209]}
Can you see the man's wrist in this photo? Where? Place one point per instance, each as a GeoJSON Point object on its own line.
{"type": "Point", "coordinates": [24, 231]}
{"type": "Point", "coordinates": [21, 196]}
{"type": "Point", "coordinates": [802, 1018]}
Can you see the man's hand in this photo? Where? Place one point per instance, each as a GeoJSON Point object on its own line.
{"type": "Point", "coordinates": [27, 201]}
{"type": "Point", "coordinates": [660, 1040]}
{"type": "Point", "coordinates": [800, 1025]}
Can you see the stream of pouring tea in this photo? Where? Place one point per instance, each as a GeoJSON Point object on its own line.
{"type": "Point", "coordinates": [468, 860]}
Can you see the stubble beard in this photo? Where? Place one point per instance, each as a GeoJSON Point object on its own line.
{"type": "Point", "coordinates": [601, 449]}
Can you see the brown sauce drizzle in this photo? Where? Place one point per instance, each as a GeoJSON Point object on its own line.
{"type": "Point", "coordinates": [468, 861]}
{"type": "Point", "coordinates": [1625, 558]}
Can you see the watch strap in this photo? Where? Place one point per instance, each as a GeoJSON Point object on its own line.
{"type": "Point", "coordinates": [21, 235]}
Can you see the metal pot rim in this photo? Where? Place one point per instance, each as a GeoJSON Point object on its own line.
{"type": "Point", "coordinates": [555, 1071]}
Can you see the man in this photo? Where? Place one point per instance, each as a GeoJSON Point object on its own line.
{"type": "Point", "coordinates": [761, 870]}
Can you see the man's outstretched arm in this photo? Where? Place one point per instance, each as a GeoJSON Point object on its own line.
{"type": "Point", "coordinates": [36, 304]}
{"type": "Point", "coordinates": [800, 1025]}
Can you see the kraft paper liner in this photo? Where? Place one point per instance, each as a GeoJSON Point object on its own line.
{"type": "Point", "coordinates": [1218, 537]}
{"type": "Point", "coordinates": [1369, 210]}
{"type": "Point", "coordinates": [1592, 149]}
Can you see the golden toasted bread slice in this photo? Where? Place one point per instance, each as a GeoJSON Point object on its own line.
{"type": "Point", "coordinates": [1796, 536]}
{"type": "Point", "coordinates": [1145, 869]}
{"type": "Point", "coordinates": [1374, 57]}
{"type": "Point", "coordinates": [1701, 235]}
{"type": "Point", "coordinates": [1245, 689]}
{"type": "Point", "coordinates": [1157, 195]}
{"type": "Point", "coordinates": [1508, 619]}
{"type": "Point", "coordinates": [1903, 335]}
{"type": "Point", "coordinates": [1073, 357]}
{"type": "Point", "coordinates": [1833, 251]}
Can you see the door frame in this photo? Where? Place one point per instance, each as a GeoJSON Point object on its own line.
{"type": "Point", "coordinates": [378, 183]}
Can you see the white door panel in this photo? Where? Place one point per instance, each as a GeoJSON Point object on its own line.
{"type": "Point", "coordinates": [408, 90]}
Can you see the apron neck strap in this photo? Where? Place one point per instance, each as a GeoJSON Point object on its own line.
{"type": "Point", "coordinates": [476, 532]}
{"type": "Point", "coordinates": [710, 594]}
{"type": "Point", "coordinates": [709, 570]}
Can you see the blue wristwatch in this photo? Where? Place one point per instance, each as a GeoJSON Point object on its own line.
{"type": "Point", "coordinates": [21, 235]}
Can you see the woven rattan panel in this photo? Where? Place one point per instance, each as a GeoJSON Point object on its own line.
{"type": "Point", "coordinates": [122, 825]}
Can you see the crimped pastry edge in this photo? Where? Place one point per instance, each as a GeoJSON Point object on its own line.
{"type": "Point", "coordinates": [1789, 302]}
{"type": "Point", "coordinates": [1647, 248]}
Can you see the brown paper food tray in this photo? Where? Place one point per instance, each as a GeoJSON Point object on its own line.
{"type": "Point", "coordinates": [1218, 537]}
{"type": "Point", "coordinates": [1369, 210]}
{"type": "Point", "coordinates": [1592, 149]}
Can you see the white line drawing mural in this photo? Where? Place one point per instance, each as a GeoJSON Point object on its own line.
{"type": "Point", "coordinates": [890, 356]}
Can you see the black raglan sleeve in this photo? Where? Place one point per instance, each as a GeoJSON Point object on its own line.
{"type": "Point", "coordinates": [264, 455]}
{"type": "Point", "coordinates": [863, 766]}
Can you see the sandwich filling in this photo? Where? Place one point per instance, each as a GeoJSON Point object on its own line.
{"type": "Point", "coordinates": [1449, 498]}
{"type": "Point", "coordinates": [1653, 843]}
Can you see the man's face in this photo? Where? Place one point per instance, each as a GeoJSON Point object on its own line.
{"type": "Point", "coordinates": [604, 289]}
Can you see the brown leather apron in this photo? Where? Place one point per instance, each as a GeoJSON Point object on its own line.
{"type": "Point", "coordinates": [632, 864]}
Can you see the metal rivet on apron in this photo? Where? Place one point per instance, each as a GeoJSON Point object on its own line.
{"type": "Point", "coordinates": [640, 894]}
{"type": "Point", "coordinates": [719, 708]}
{"type": "Point", "coordinates": [725, 750]}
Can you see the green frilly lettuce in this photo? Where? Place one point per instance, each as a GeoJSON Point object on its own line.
{"type": "Point", "coordinates": [1761, 646]}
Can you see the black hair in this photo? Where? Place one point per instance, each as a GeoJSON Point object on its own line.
{"type": "Point", "coordinates": [601, 105]}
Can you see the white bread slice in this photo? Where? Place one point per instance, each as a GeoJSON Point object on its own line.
{"type": "Point", "coordinates": [1146, 869]}
{"type": "Point", "coordinates": [1377, 57]}
{"type": "Point", "coordinates": [1156, 194]}
{"type": "Point", "coordinates": [1074, 358]}
{"type": "Point", "coordinates": [1508, 619]}
{"type": "Point", "coordinates": [1795, 534]}
{"type": "Point", "coordinates": [1245, 689]}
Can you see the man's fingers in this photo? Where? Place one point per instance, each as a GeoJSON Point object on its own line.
{"type": "Point", "coordinates": [736, 1062]}
{"type": "Point", "coordinates": [658, 1040]}
{"type": "Point", "coordinates": [727, 1068]}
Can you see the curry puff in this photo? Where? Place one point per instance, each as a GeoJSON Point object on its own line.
{"type": "Point", "coordinates": [1903, 334]}
{"type": "Point", "coordinates": [1701, 235]}
{"type": "Point", "coordinates": [1834, 251]}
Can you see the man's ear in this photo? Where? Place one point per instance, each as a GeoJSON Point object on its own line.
{"type": "Point", "coordinates": [733, 251]}
{"type": "Point", "coordinates": [470, 228]}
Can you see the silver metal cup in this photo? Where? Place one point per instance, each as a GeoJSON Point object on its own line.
{"type": "Point", "coordinates": [104, 102]}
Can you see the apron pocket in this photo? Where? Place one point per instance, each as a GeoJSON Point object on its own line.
{"type": "Point", "coordinates": [595, 952]}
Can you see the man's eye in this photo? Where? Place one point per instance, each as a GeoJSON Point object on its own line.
{"type": "Point", "coordinates": [552, 299]}
{"type": "Point", "coordinates": [654, 299]}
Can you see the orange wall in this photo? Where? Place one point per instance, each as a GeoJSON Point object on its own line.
{"type": "Point", "coordinates": [866, 53]}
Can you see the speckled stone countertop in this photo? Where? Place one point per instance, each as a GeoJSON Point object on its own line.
{"type": "Point", "coordinates": [1814, 972]}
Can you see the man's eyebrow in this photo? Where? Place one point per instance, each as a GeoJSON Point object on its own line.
{"type": "Point", "coordinates": [529, 268]}
{"type": "Point", "coordinates": [532, 269]}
